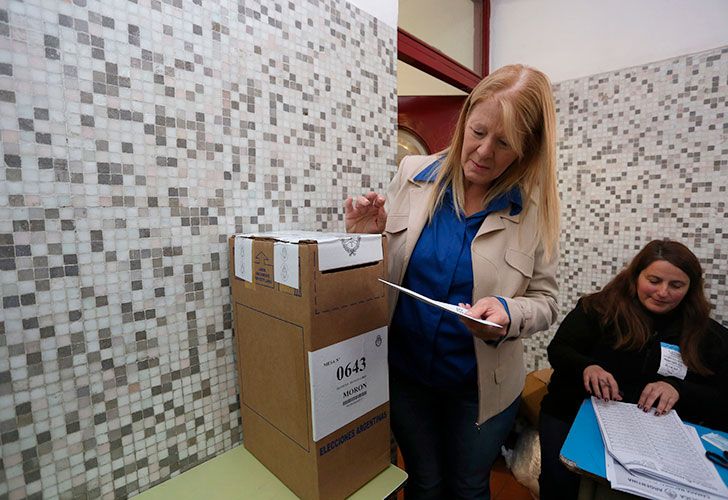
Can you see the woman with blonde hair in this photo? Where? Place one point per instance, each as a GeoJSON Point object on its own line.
{"type": "Point", "coordinates": [475, 224]}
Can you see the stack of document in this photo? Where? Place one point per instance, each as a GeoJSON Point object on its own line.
{"type": "Point", "coordinates": [655, 456]}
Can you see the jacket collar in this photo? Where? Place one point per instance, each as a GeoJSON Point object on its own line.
{"type": "Point", "coordinates": [428, 173]}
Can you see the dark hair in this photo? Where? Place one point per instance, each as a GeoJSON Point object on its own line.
{"type": "Point", "coordinates": [618, 306]}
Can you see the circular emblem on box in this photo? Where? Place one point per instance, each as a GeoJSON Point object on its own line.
{"type": "Point", "coordinates": [351, 245]}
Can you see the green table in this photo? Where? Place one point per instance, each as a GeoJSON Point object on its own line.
{"type": "Point", "coordinates": [236, 474]}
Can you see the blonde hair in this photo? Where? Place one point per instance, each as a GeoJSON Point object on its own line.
{"type": "Point", "coordinates": [529, 120]}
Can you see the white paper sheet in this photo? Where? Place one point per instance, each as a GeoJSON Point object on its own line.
{"type": "Point", "coordinates": [244, 258]}
{"type": "Point", "coordinates": [348, 379]}
{"type": "Point", "coordinates": [657, 447]}
{"type": "Point", "coordinates": [460, 311]}
{"type": "Point", "coordinates": [335, 250]}
{"type": "Point", "coordinates": [285, 264]}
{"type": "Point", "coordinates": [644, 486]}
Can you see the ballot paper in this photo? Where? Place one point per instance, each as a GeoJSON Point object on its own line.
{"type": "Point", "coordinates": [653, 448]}
{"type": "Point", "coordinates": [460, 311]}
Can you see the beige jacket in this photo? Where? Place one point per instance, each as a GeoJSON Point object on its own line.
{"type": "Point", "coordinates": [508, 261]}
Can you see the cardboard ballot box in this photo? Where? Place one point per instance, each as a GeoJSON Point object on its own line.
{"type": "Point", "coordinates": [310, 325]}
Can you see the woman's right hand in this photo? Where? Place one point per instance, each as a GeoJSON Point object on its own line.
{"type": "Point", "coordinates": [600, 383]}
{"type": "Point", "coordinates": [365, 214]}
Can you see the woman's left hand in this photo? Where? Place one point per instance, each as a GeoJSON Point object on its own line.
{"type": "Point", "coordinates": [490, 309]}
{"type": "Point", "coordinates": [661, 393]}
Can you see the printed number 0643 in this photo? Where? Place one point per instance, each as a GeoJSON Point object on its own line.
{"type": "Point", "coordinates": [351, 368]}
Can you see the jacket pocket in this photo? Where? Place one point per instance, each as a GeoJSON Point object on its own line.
{"type": "Point", "coordinates": [521, 262]}
{"type": "Point", "coordinates": [396, 223]}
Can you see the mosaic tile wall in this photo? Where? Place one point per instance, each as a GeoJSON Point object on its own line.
{"type": "Point", "coordinates": [136, 136]}
{"type": "Point", "coordinates": [643, 154]}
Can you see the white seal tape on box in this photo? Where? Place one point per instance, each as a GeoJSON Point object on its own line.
{"type": "Point", "coordinates": [349, 250]}
{"type": "Point", "coordinates": [348, 379]}
{"type": "Point", "coordinates": [335, 250]}
{"type": "Point", "coordinates": [244, 258]}
{"type": "Point", "coordinates": [285, 264]}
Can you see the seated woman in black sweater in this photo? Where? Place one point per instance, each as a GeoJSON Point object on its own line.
{"type": "Point", "coordinates": [611, 346]}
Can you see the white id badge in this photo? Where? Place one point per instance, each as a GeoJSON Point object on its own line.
{"type": "Point", "coordinates": [671, 363]}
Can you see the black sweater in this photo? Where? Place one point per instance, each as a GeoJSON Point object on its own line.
{"type": "Point", "coordinates": [581, 341]}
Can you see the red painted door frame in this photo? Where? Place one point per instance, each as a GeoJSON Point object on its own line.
{"type": "Point", "coordinates": [425, 57]}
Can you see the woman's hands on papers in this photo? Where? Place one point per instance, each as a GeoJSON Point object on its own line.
{"type": "Point", "coordinates": [490, 309]}
{"type": "Point", "coordinates": [600, 383]}
{"type": "Point", "coordinates": [662, 393]}
{"type": "Point", "coordinates": [365, 214]}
